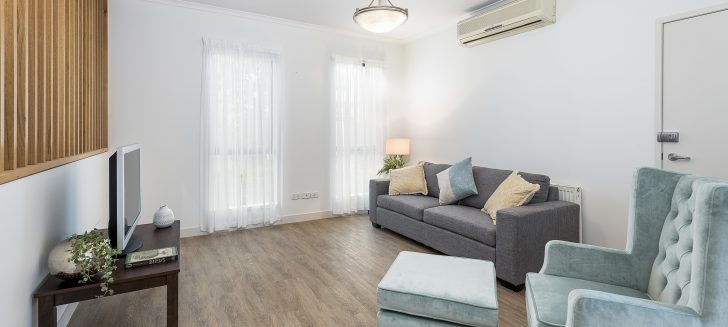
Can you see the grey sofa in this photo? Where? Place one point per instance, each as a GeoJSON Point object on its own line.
{"type": "Point", "coordinates": [515, 244]}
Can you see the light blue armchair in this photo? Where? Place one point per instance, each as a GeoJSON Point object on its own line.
{"type": "Point", "coordinates": [673, 273]}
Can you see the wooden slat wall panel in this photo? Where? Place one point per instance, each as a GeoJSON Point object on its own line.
{"type": "Point", "coordinates": [72, 78]}
{"type": "Point", "coordinates": [53, 83]}
{"type": "Point", "coordinates": [67, 77]}
{"type": "Point", "coordinates": [41, 49]}
{"type": "Point", "coordinates": [30, 85]}
{"type": "Point", "coordinates": [97, 77]}
{"type": "Point", "coordinates": [51, 114]}
{"type": "Point", "coordinates": [83, 71]}
{"type": "Point", "coordinates": [3, 46]}
{"type": "Point", "coordinates": [92, 95]}
{"type": "Point", "coordinates": [104, 76]}
{"type": "Point", "coordinates": [54, 107]}
{"type": "Point", "coordinates": [94, 27]}
{"type": "Point", "coordinates": [9, 62]}
{"type": "Point", "coordinates": [63, 78]}
{"type": "Point", "coordinates": [86, 56]}
{"type": "Point", "coordinates": [21, 87]}
{"type": "Point", "coordinates": [87, 76]}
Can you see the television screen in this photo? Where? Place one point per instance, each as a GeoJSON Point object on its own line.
{"type": "Point", "coordinates": [132, 191]}
{"type": "Point", "coordinates": [125, 197]}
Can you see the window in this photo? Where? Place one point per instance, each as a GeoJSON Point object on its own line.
{"type": "Point", "coordinates": [240, 165]}
{"type": "Point", "coordinates": [358, 110]}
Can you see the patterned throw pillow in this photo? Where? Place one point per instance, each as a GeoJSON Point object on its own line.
{"type": "Point", "coordinates": [513, 192]}
{"type": "Point", "coordinates": [407, 180]}
{"type": "Point", "coordinates": [456, 182]}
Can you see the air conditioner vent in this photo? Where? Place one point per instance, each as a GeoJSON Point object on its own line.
{"type": "Point", "coordinates": [509, 19]}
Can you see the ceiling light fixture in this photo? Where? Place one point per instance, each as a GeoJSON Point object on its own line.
{"type": "Point", "coordinates": [381, 18]}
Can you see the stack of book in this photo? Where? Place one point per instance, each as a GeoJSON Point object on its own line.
{"type": "Point", "coordinates": [150, 257]}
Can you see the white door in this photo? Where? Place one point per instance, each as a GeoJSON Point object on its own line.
{"type": "Point", "coordinates": [694, 93]}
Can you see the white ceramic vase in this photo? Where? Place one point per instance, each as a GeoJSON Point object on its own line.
{"type": "Point", "coordinates": [164, 217]}
{"type": "Point", "coordinates": [59, 265]}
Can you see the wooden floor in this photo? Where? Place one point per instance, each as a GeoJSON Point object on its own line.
{"type": "Point", "coordinates": [316, 273]}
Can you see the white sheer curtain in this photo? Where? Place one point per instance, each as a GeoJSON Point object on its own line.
{"type": "Point", "coordinates": [358, 131]}
{"type": "Point", "coordinates": [240, 156]}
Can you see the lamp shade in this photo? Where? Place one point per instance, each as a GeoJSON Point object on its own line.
{"type": "Point", "coordinates": [398, 147]}
{"type": "Point", "coordinates": [380, 18]}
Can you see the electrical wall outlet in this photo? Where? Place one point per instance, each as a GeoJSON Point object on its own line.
{"type": "Point", "coordinates": [305, 195]}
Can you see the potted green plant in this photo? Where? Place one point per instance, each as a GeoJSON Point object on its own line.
{"type": "Point", "coordinates": [397, 151]}
{"type": "Point", "coordinates": [85, 257]}
{"type": "Point", "coordinates": [392, 162]}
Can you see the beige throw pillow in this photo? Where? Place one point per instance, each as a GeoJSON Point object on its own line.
{"type": "Point", "coordinates": [408, 180]}
{"type": "Point", "coordinates": [513, 192]}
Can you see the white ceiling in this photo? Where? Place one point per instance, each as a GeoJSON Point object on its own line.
{"type": "Point", "coordinates": [425, 16]}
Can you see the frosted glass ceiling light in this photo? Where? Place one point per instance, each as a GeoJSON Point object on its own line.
{"type": "Point", "coordinates": [381, 18]}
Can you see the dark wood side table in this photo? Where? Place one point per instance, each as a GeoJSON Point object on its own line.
{"type": "Point", "coordinates": [53, 291]}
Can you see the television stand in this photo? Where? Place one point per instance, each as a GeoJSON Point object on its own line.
{"type": "Point", "coordinates": [53, 291]}
{"type": "Point", "coordinates": [135, 243]}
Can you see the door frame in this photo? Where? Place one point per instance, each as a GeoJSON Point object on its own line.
{"type": "Point", "coordinates": [659, 66]}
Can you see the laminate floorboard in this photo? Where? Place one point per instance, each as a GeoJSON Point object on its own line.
{"type": "Point", "coordinates": [316, 273]}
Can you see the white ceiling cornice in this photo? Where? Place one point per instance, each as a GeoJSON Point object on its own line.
{"type": "Point", "coordinates": [275, 20]}
{"type": "Point", "coordinates": [452, 24]}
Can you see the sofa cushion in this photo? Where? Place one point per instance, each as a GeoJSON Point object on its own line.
{"type": "Point", "coordinates": [543, 181]}
{"type": "Point", "coordinates": [456, 182]}
{"type": "Point", "coordinates": [553, 194]}
{"type": "Point", "coordinates": [466, 221]}
{"type": "Point", "coordinates": [453, 289]}
{"type": "Point", "coordinates": [431, 171]}
{"type": "Point", "coordinates": [547, 296]}
{"type": "Point", "coordinates": [513, 192]}
{"type": "Point", "coordinates": [407, 180]}
{"type": "Point", "coordinates": [487, 181]}
{"type": "Point", "coordinates": [412, 206]}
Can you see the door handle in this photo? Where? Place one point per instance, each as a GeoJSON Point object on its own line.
{"type": "Point", "coordinates": [676, 157]}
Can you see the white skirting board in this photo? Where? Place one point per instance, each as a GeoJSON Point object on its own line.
{"type": "Point", "coordinates": [195, 231]}
{"type": "Point", "coordinates": [573, 194]}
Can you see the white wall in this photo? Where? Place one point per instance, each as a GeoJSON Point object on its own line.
{"type": "Point", "coordinates": [574, 100]}
{"type": "Point", "coordinates": [38, 212]}
{"type": "Point", "coordinates": [155, 60]}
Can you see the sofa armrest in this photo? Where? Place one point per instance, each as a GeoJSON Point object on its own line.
{"type": "Point", "coordinates": [594, 308]}
{"type": "Point", "coordinates": [590, 262]}
{"type": "Point", "coordinates": [522, 234]}
{"type": "Point", "coordinates": [377, 187]}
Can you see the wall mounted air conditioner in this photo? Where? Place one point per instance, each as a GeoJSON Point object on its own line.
{"type": "Point", "coordinates": [514, 17]}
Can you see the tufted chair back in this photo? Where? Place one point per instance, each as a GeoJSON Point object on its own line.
{"type": "Point", "coordinates": [678, 273]}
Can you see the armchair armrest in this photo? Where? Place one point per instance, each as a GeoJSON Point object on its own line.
{"type": "Point", "coordinates": [594, 308]}
{"type": "Point", "coordinates": [589, 262]}
{"type": "Point", "coordinates": [377, 187]}
{"type": "Point", "coordinates": [522, 233]}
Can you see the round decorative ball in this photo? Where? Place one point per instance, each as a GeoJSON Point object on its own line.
{"type": "Point", "coordinates": [59, 264]}
{"type": "Point", "coordinates": [164, 217]}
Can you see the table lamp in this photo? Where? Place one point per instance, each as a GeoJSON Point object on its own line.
{"type": "Point", "coordinates": [397, 151]}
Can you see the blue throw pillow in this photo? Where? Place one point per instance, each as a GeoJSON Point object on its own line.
{"type": "Point", "coordinates": [456, 182]}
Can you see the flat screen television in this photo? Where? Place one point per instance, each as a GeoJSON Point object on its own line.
{"type": "Point", "coordinates": [125, 198]}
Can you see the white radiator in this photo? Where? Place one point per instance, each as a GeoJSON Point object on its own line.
{"type": "Point", "coordinates": [572, 194]}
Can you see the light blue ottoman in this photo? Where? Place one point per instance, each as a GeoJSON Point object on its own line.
{"type": "Point", "coordinates": [433, 290]}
